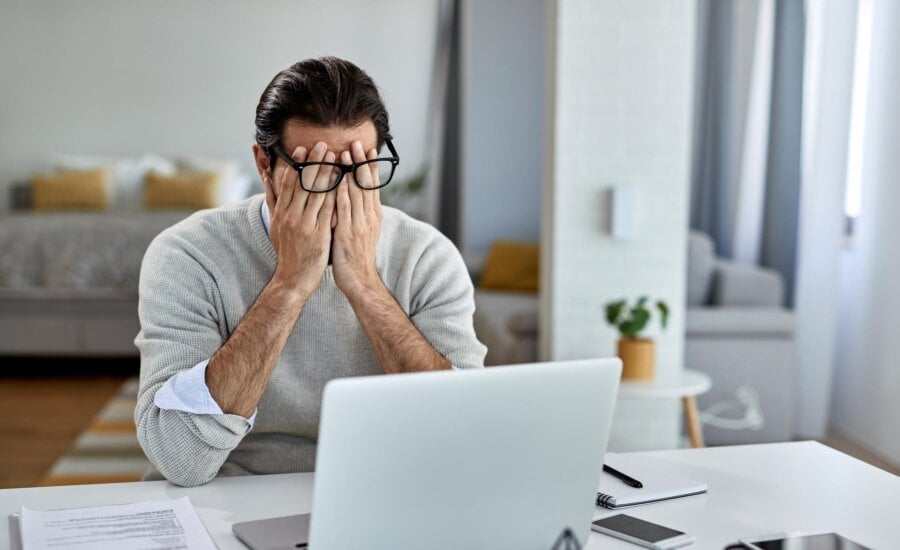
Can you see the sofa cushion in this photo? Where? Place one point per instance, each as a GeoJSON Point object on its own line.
{"type": "Point", "coordinates": [745, 322]}
{"type": "Point", "coordinates": [737, 285]}
{"type": "Point", "coordinates": [700, 265]}
{"type": "Point", "coordinates": [511, 265]}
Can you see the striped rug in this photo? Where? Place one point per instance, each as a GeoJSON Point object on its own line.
{"type": "Point", "coordinates": [107, 451]}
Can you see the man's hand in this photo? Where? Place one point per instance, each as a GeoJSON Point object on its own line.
{"type": "Point", "coordinates": [358, 227]}
{"type": "Point", "coordinates": [300, 223]}
{"type": "Point", "coordinates": [398, 344]}
{"type": "Point", "coordinates": [300, 228]}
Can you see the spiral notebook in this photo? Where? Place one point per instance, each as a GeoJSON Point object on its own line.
{"type": "Point", "coordinates": [658, 484]}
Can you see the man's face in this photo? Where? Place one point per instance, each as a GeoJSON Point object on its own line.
{"type": "Point", "coordinates": [297, 133]}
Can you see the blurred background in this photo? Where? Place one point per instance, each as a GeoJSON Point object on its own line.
{"type": "Point", "coordinates": [735, 160]}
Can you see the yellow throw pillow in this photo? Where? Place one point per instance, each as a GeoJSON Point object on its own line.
{"type": "Point", "coordinates": [71, 190]}
{"type": "Point", "coordinates": [194, 190]}
{"type": "Point", "coordinates": [512, 265]}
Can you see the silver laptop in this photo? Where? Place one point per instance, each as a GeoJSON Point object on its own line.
{"type": "Point", "coordinates": [496, 458]}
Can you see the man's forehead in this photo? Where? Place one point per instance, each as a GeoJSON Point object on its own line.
{"type": "Point", "coordinates": [298, 133]}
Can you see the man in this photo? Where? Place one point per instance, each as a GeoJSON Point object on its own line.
{"type": "Point", "coordinates": [247, 310]}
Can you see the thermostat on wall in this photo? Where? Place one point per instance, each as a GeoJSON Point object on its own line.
{"type": "Point", "coordinates": [623, 211]}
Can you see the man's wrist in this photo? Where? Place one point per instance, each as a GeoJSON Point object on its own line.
{"type": "Point", "coordinates": [366, 290]}
{"type": "Point", "coordinates": [288, 289]}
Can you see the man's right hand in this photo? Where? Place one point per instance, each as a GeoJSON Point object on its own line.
{"type": "Point", "coordinates": [300, 222]}
{"type": "Point", "coordinates": [300, 228]}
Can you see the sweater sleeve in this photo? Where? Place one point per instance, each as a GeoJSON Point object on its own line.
{"type": "Point", "coordinates": [187, 391]}
{"type": "Point", "coordinates": [442, 304]}
{"type": "Point", "coordinates": [181, 325]}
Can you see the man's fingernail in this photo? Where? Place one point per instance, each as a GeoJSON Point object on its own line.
{"type": "Point", "coordinates": [329, 157]}
{"type": "Point", "coordinates": [345, 156]}
{"type": "Point", "coordinates": [320, 146]}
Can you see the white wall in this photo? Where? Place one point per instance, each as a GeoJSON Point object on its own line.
{"type": "Point", "coordinates": [502, 127]}
{"type": "Point", "coordinates": [621, 115]}
{"type": "Point", "coordinates": [120, 77]}
{"type": "Point", "coordinates": [867, 378]}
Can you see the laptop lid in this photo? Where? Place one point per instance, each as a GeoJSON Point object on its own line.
{"type": "Point", "coordinates": [502, 457]}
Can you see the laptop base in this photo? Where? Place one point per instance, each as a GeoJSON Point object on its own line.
{"type": "Point", "coordinates": [283, 533]}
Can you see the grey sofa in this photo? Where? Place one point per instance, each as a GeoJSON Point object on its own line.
{"type": "Point", "coordinates": [737, 331]}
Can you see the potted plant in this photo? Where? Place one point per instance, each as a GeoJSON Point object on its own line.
{"type": "Point", "coordinates": [637, 354]}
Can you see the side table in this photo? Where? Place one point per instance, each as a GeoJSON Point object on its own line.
{"type": "Point", "coordinates": [686, 385]}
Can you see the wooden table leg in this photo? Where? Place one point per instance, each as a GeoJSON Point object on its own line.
{"type": "Point", "coordinates": [692, 421]}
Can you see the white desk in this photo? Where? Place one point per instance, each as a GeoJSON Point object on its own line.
{"type": "Point", "coordinates": [753, 489]}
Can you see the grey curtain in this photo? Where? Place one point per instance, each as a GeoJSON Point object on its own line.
{"type": "Point", "coordinates": [714, 164]}
{"type": "Point", "coordinates": [449, 177]}
{"type": "Point", "coordinates": [778, 248]}
{"type": "Point", "coordinates": [719, 131]}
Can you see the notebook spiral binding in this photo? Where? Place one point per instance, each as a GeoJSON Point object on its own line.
{"type": "Point", "coordinates": [566, 541]}
{"type": "Point", "coordinates": [603, 500]}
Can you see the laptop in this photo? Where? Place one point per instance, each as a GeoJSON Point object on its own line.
{"type": "Point", "coordinates": [496, 458]}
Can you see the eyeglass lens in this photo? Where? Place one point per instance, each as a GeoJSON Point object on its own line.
{"type": "Point", "coordinates": [319, 177]}
{"type": "Point", "coordinates": [324, 177]}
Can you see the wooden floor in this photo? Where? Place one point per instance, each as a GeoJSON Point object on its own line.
{"type": "Point", "coordinates": [843, 444]}
{"type": "Point", "coordinates": [43, 410]}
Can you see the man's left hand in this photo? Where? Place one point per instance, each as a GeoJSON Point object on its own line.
{"type": "Point", "coordinates": [358, 227]}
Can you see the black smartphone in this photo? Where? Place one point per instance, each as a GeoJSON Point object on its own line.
{"type": "Point", "coordinates": [641, 532]}
{"type": "Point", "coordinates": [801, 541]}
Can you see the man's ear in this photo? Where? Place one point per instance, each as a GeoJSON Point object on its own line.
{"type": "Point", "coordinates": [263, 166]}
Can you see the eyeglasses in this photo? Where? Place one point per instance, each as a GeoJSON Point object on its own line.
{"type": "Point", "coordinates": [322, 177]}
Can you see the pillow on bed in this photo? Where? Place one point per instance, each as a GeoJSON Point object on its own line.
{"type": "Point", "coordinates": [233, 184]}
{"type": "Point", "coordinates": [126, 175]}
{"type": "Point", "coordinates": [192, 190]}
{"type": "Point", "coordinates": [71, 190]}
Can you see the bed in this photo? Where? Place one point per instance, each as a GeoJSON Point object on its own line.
{"type": "Point", "coordinates": [69, 280]}
{"type": "Point", "coordinates": [69, 273]}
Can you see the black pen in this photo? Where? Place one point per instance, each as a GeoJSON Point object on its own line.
{"type": "Point", "coordinates": [627, 480]}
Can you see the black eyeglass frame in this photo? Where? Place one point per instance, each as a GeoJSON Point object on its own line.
{"type": "Point", "coordinates": [394, 159]}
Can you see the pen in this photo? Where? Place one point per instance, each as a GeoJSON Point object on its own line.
{"type": "Point", "coordinates": [627, 480]}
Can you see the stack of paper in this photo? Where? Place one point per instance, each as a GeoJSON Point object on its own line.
{"type": "Point", "coordinates": [153, 525]}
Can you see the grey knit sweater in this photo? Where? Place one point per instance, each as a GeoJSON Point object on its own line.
{"type": "Point", "coordinates": [201, 276]}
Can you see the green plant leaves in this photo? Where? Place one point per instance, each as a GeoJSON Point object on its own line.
{"type": "Point", "coordinates": [614, 311]}
{"type": "Point", "coordinates": [663, 313]}
{"type": "Point", "coordinates": [635, 322]}
{"type": "Point", "coordinates": [632, 320]}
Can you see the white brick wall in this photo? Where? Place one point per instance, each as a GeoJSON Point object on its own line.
{"type": "Point", "coordinates": [620, 114]}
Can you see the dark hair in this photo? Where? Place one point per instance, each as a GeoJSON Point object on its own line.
{"type": "Point", "coordinates": [326, 91]}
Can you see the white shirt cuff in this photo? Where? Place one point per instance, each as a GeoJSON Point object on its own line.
{"type": "Point", "coordinates": [187, 391]}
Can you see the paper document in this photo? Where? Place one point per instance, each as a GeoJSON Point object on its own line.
{"type": "Point", "coordinates": [152, 525]}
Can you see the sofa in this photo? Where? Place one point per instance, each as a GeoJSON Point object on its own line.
{"type": "Point", "coordinates": [737, 331]}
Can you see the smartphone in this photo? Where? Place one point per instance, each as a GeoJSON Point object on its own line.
{"type": "Point", "coordinates": [802, 541]}
{"type": "Point", "coordinates": [640, 532]}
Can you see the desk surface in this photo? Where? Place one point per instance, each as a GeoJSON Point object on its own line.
{"type": "Point", "coordinates": [753, 490]}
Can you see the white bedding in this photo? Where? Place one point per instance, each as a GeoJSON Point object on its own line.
{"type": "Point", "coordinates": [74, 250]}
